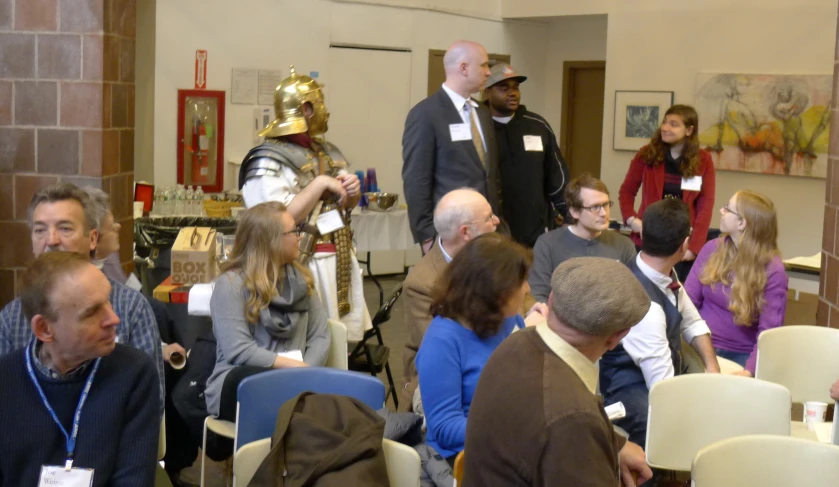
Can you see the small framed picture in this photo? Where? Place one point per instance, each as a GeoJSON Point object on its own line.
{"type": "Point", "coordinates": [638, 115]}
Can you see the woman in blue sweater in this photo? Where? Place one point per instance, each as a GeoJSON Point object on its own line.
{"type": "Point", "coordinates": [477, 304]}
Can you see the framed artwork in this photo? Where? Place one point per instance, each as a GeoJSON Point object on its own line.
{"type": "Point", "coordinates": [769, 124]}
{"type": "Point", "coordinates": [638, 115]}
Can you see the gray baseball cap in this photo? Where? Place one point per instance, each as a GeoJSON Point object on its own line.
{"type": "Point", "coordinates": [501, 72]}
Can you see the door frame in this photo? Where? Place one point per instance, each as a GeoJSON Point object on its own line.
{"type": "Point", "coordinates": [568, 68]}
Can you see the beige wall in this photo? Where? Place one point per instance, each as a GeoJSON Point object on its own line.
{"type": "Point", "coordinates": [665, 49]}
{"type": "Point", "coordinates": [573, 38]}
{"type": "Point", "coordinates": [272, 34]}
{"type": "Point", "coordinates": [488, 9]}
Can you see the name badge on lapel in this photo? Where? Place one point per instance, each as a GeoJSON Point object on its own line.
{"type": "Point", "coordinates": [692, 184]}
{"type": "Point", "coordinates": [460, 131]}
{"type": "Point", "coordinates": [55, 475]}
{"type": "Point", "coordinates": [533, 143]}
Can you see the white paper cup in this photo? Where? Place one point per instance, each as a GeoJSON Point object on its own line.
{"type": "Point", "coordinates": [814, 412]}
{"type": "Point", "coordinates": [138, 209]}
{"type": "Point", "coordinates": [177, 360]}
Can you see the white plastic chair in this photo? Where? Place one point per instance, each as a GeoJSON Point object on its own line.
{"type": "Point", "coordinates": [767, 461]}
{"type": "Point", "coordinates": [338, 348]}
{"type": "Point", "coordinates": [805, 360]}
{"type": "Point", "coordinates": [403, 462]}
{"type": "Point", "coordinates": [220, 427]}
{"type": "Point", "coordinates": [690, 412]}
{"type": "Point", "coordinates": [161, 440]}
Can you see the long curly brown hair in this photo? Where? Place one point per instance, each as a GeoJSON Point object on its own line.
{"type": "Point", "coordinates": [479, 282]}
{"type": "Point", "coordinates": [653, 153]}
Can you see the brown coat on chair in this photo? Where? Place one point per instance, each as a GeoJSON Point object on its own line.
{"type": "Point", "coordinates": [324, 440]}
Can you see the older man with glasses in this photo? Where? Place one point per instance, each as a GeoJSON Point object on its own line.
{"type": "Point", "coordinates": [590, 208]}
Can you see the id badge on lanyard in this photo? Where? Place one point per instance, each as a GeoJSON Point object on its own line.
{"type": "Point", "coordinates": [55, 475]}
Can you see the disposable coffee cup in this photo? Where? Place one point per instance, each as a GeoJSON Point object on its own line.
{"type": "Point", "coordinates": [138, 209]}
{"type": "Point", "coordinates": [177, 360]}
{"type": "Point", "coordinates": [814, 412]}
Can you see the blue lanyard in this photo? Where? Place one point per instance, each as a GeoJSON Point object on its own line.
{"type": "Point", "coordinates": [71, 438]}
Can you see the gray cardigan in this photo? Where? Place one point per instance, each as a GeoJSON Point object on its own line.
{"type": "Point", "coordinates": [243, 343]}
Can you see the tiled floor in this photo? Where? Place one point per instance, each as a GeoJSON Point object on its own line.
{"type": "Point", "coordinates": [394, 335]}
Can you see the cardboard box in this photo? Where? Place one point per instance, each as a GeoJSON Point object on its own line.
{"type": "Point", "coordinates": [194, 256]}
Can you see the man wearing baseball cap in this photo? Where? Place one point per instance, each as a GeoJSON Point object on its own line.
{"type": "Point", "coordinates": [532, 172]}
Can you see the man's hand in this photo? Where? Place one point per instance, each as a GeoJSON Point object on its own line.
{"type": "Point", "coordinates": [834, 391]}
{"type": "Point", "coordinates": [633, 460]}
{"type": "Point", "coordinates": [172, 348]}
{"type": "Point", "coordinates": [350, 183]}
{"type": "Point", "coordinates": [744, 373]}
{"type": "Point", "coordinates": [538, 313]}
{"type": "Point", "coordinates": [689, 256]}
{"type": "Point", "coordinates": [332, 185]}
{"type": "Point", "coordinates": [637, 226]}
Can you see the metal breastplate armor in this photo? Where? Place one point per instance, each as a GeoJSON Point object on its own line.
{"type": "Point", "coordinates": [269, 158]}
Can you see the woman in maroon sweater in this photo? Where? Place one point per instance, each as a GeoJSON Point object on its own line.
{"type": "Point", "coordinates": [672, 166]}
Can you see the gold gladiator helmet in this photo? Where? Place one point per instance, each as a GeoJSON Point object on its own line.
{"type": "Point", "coordinates": [289, 97]}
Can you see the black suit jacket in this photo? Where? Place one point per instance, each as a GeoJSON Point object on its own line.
{"type": "Point", "coordinates": [433, 165]}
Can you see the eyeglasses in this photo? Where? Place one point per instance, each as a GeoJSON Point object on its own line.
{"type": "Point", "coordinates": [729, 210]}
{"type": "Point", "coordinates": [298, 230]}
{"type": "Point", "coordinates": [597, 208]}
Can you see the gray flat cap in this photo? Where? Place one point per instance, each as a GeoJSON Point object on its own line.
{"type": "Point", "coordinates": [598, 296]}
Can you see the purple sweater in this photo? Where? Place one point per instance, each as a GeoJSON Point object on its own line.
{"type": "Point", "coordinates": [712, 303]}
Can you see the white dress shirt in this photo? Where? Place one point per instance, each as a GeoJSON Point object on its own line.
{"type": "Point", "coordinates": [459, 104]}
{"type": "Point", "coordinates": [647, 341]}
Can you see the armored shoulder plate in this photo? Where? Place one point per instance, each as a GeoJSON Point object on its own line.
{"type": "Point", "coordinates": [338, 159]}
{"type": "Point", "coordinates": [268, 158]}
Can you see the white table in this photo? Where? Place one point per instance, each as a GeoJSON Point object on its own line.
{"type": "Point", "coordinates": [375, 231]}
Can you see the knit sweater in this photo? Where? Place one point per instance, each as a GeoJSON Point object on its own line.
{"type": "Point", "coordinates": [118, 430]}
{"type": "Point", "coordinates": [713, 301]}
{"type": "Point", "coordinates": [449, 362]}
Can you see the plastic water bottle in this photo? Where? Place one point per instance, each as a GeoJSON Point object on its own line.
{"type": "Point", "coordinates": [158, 202]}
{"type": "Point", "coordinates": [190, 201]}
{"type": "Point", "coordinates": [180, 199]}
{"type": "Point", "coordinates": [166, 207]}
{"type": "Point", "coordinates": [199, 197]}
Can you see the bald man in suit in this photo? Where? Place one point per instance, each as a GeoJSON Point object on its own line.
{"type": "Point", "coordinates": [449, 142]}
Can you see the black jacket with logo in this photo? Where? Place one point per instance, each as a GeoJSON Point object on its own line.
{"type": "Point", "coordinates": [532, 181]}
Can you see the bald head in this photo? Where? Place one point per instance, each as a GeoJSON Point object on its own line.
{"type": "Point", "coordinates": [462, 215]}
{"type": "Point", "coordinates": [467, 67]}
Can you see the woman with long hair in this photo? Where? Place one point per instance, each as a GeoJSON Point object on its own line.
{"type": "Point", "coordinates": [738, 283]}
{"type": "Point", "coordinates": [266, 314]}
{"type": "Point", "coordinates": [672, 166]}
{"type": "Point", "coordinates": [476, 305]}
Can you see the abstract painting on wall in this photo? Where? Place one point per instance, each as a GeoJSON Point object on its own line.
{"type": "Point", "coordinates": [771, 124]}
{"type": "Point", "coordinates": [637, 116]}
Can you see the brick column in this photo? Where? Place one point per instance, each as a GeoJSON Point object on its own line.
{"type": "Point", "coordinates": [66, 112]}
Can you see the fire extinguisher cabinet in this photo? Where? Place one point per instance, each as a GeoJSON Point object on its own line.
{"type": "Point", "coordinates": [201, 139]}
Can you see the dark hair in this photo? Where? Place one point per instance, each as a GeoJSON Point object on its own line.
{"type": "Point", "coordinates": [575, 187]}
{"type": "Point", "coordinates": [653, 153]}
{"type": "Point", "coordinates": [40, 278]}
{"type": "Point", "coordinates": [666, 226]}
{"type": "Point", "coordinates": [64, 192]}
{"type": "Point", "coordinates": [479, 281]}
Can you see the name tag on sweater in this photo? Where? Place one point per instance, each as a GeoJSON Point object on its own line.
{"type": "Point", "coordinates": [692, 184]}
{"type": "Point", "coordinates": [533, 143]}
{"type": "Point", "coordinates": [54, 475]}
{"type": "Point", "coordinates": [460, 131]}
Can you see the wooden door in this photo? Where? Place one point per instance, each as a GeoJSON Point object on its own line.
{"type": "Point", "coordinates": [437, 75]}
{"type": "Point", "coordinates": [581, 137]}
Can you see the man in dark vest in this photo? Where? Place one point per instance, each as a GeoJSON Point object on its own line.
{"type": "Point", "coordinates": [652, 351]}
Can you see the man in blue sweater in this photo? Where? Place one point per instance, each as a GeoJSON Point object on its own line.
{"type": "Point", "coordinates": [75, 407]}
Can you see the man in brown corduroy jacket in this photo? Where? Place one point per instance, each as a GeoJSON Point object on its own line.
{"type": "Point", "coordinates": [535, 419]}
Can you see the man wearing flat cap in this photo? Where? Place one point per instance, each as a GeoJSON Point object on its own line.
{"type": "Point", "coordinates": [535, 418]}
{"type": "Point", "coordinates": [532, 172]}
